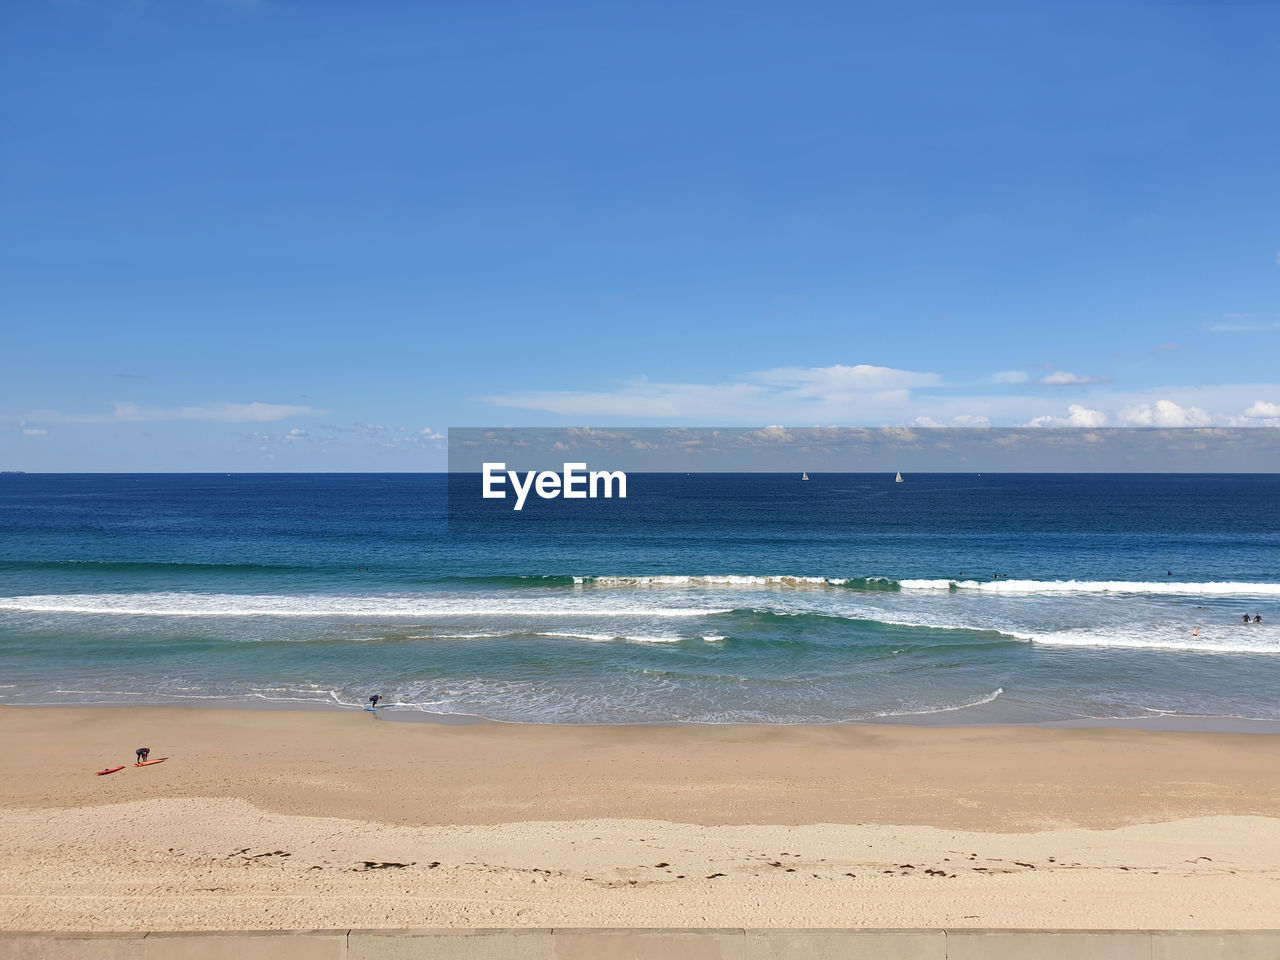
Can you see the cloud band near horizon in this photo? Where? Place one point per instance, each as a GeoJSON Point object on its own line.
{"type": "Point", "coordinates": [874, 395]}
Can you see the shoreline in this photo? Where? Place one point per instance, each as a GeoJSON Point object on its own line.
{"type": "Point", "coordinates": [978, 716]}
{"type": "Point", "coordinates": [323, 819]}
{"type": "Point", "coordinates": [1029, 775]}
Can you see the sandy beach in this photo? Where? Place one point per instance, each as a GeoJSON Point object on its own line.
{"type": "Point", "coordinates": [290, 819]}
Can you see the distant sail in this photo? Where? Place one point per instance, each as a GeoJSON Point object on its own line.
{"type": "Point", "coordinates": [804, 476]}
{"type": "Point", "coordinates": [898, 478]}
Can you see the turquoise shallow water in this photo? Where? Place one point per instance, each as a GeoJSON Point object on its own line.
{"type": "Point", "coordinates": [711, 598]}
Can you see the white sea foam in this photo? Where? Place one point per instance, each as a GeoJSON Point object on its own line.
{"type": "Point", "coordinates": [950, 708]}
{"type": "Point", "coordinates": [306, 605]}
{"type": "Point", "coordinates": [1164, 587]}
{"type": "Point", "coordinates": [738, 716]}
{"type": "Point", "coordinates": [1006, 631]}
{"type": "Point", "coordinates": [1008, 587]}
{"type": "Point", "coordinates": [450, 635]}
{"type": "Point", "coordinates": [1214, 639]}
{"type": "Point", "coordinates": [552, 634]}
{"type": "Point", "coordinates": [609, 637]}
{"type": "Point", "coordinates": [712, 580]}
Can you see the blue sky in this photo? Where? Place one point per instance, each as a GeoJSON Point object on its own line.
{"type": "Point", "coordinates": [312, 236]}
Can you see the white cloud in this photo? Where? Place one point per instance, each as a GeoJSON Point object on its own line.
{"type": "Point", "coordinates": [1163, 413]}
{"type": "Point", "coordinates": [669, 401]}
{"type": "Point", "coordinates": [1063, 378]}
{"type": "Point", "coordinates": [811, 394]}
{"type": "Point", "coordinates": [963, 420]}
{"type": "Point", "coordinates": [838, 379]}
{"type": "Point", "coordinates": [1243, 323]}
{"type": "Point", "coordinates": [790, 396]}
{"type": "Point", "coordinates": [1077, 416]}
{"type": "Point", "coordinates": [426, 433]}
{"type": "Point", "coordinates": [33, 432]}
{"type": "Point", "coordinates": [1011, 376]}
{"type": "Point", "coordinates": [254, 412]}
{"type": "Point", "coordinates": [1263, 410]}
{"type": "Point", "coordinates": [771, 434]}
{"type": "Point", "coordinates": [295, 435]}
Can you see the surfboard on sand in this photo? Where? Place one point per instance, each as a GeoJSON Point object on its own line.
{"type": "Point", "coordinates": [147, 763]}
{"type": "Point", "coordinates": [103, 773]}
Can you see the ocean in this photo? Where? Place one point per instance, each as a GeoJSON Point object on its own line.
{"type": "Point", "coordinates": [704, 598]}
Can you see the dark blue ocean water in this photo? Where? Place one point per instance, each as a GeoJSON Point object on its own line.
{"type": "Point", "coordinates": [711, 598]}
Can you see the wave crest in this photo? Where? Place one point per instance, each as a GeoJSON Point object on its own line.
{"type": "Point", "coordinates": [330, 605]}
{"type": "Point", "coordinates": [1164, 587]}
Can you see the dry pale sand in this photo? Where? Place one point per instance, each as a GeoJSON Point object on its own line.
{"type": "Point", "coordinates": [325, 819]}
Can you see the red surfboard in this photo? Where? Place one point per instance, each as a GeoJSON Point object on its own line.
{"type": "Point", "coordinates": [103, 773]}
{"type": "Point", "coordinates": [147, 763]}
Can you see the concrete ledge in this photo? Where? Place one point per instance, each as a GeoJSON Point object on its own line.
{"type": "Point", "coordinates": [71, 946]}
{"type": "Point", "coordinates": [1215, 944]}
{"type": "Point", "coordinates": [641, 944]}
{"type": "Point", "coordinates": [510, 944]}
{"type": "Point", "coordinates": [644, 944]}
{"type": "Point", "coordinates": [1049, 944]}
{"type": "Point", "coordinates": [247, 945]}
{"type": "Point", "coordinates": [846, 945]}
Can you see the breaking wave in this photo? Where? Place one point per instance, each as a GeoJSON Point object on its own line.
{"type": "Point", "coordinates": [328, 605]}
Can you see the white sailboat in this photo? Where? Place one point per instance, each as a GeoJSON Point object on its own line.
{"type": "Point", "coordinates": [898, 478]}
{"type": "Point", "coordinates": [804, 476]}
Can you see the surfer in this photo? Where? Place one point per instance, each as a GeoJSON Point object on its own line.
{"type": "Point", "coordinates": [143, 753]}
{"type": "Point", "coordinates": [1195, 631]}
{"type": "Point", "coordinates": [1245, 618]}
{"type": "Point", "coordinates": [1257, 618]}
{"type": "Point", "coordinates": [373, 701]}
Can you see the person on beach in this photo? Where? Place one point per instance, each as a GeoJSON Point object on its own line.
{"type": "Point", "coordinates": [142, 754]}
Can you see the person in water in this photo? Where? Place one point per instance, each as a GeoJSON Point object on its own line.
{"type": "Point", "coordinates": [1257, 618]}
{"type": "Point", "coordinates": [142, 753]}
{"type": "Point", "coordinates": [373, 701]}
{"type": "Point", "coordinates": [1245, 618]}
